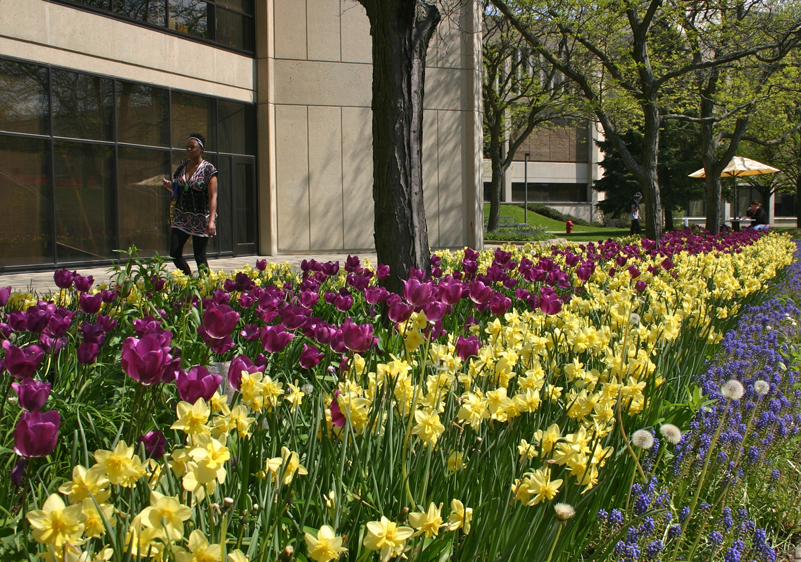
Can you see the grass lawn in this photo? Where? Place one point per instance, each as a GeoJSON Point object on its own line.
{"type": "Point", "coordinates": [557, 228]}
{"type": "Point", "coordinates": [536, 219]}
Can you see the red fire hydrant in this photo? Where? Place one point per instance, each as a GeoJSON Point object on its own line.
{"type": "Point", "coordinates": [569, 227]}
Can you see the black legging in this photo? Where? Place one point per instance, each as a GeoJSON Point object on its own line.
{"type": "Point", "coordinates": [178, 239]}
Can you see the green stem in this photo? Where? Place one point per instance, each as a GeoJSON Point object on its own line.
{"type": "Point", "coordinates": [5, 398]}
{"type": "Point", "coordinates": [555, 540]}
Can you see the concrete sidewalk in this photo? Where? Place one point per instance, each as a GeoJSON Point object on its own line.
{"type": "Point", "coordinates": [42, 281]}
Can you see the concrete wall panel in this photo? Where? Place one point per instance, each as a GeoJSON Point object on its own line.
{"type": "Point", "coordinates": [357, 178]}
{"type": "Point", "coordinates": [322, 17]}
{"type": "Point", "coordinates": [323, 83]}
{"type": "Point", "coordinates": [451, 142]}
{"type": "Point", "coordinates": [356, 41]}
{"type": "Point", "coordinates": [446, 89]}
{"type": "Point", "coordinates": [325, 177]}
{"type": "Point", "coordinates": [290, 29]}
{"type": "Point", "coordinates": [431, 176]}
{"type": "Point", "coordinates": [292, 177]}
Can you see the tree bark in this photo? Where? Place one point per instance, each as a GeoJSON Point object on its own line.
{"type": "Point", "coordinates": [669, 219]}
{"type": "Point", "coordinates": [798, 201]}
{"type": "Point", "coordinates": [401, 31]}
{"type": "Point", "coordinates": [496, 186]}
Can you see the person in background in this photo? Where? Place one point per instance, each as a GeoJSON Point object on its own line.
{"type": "Point", "coordinates": [634, 210]}
{"type": "Point", "coordinates": [194, 188]}
{"type": "Point", "coordinates": [758, 216]}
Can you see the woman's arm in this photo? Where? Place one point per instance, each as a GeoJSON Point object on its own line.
{"type": "Point", "coordinates": [212, 228]}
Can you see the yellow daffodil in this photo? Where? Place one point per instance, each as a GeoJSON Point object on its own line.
{"type": "Point", "coordinates": [55, 524]}
{"type": "Point", "coordinates": [93, 525]}
{"type": "Point", "coordinates": [427, 522]}
{"type": "Point", "coordinates": [326, 546]}
{"type": "Point", "coordinates": [192, 418]}
{"type": "Point", "coordinates": [386, 537]}
{"type": "Point", "coordinates": [200, 550]}
{"type": "Point", "coordinates": [460, 517]}
{"type": "Point", "coordinates": [429, 427]}
{"type": "Point", "coordinates": [120, 466]}
{"type": "Point", "coordinates": [85, 484]}
{"type": "Point", "coordinates": [166, 513]}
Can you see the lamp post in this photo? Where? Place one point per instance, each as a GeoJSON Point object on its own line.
{"type": "Point", "coordinates": [525, 191]}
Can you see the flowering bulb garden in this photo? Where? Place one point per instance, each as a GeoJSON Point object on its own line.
{"type": "Point", "coordinates": [510, 405]}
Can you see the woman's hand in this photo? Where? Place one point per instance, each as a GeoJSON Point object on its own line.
{"type": "Point", "coordinates": [211, 230]}
{"type": "Point", "coordinates": [167, 184]}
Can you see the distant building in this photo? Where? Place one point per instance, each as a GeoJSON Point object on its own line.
{"type": "Point", "coordinates": [97, 98]}
{"type": "Point", "coordinates": [562, 164]}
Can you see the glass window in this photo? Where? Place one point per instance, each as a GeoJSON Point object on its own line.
{"type": "Point", "coordinates": [192, 114]}
{"type": "Point", "coordinates": [784, 205]}
{"type": "Point", "coordinates": [142, 114]}
{"type": "Point", "coordinates": [26, 235]}
{"type": "Point", "coordinates": [24, 105]}
{"type": "Point", "coordinates": [104, 4]}
{"type": "Point", "coordinates": [84, 193]}
{"type": "Point", "coordinates": [143, 200]}
{"type": "Point", "coordinates": [237, 127]}
{"type": "Point", "coordinates": [245, 6]}
{"type": "Point", "coordinates": [148, 11]}
{"type": "Point", "coordinates": [82, 105]}
{"type": "Point", "coordinates": [234, 30]}
{"type": "Point", "coordinates": [245, 197]}
{"type": "Point", "coordinates": [550, 192]}
{"type": "Point", "coordinates": [225, 239]}
{"type": "Point", "coordinates": [190, 16]}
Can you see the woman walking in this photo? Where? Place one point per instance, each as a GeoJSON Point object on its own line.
{"type": "Point", "coordinates": [194, 188]}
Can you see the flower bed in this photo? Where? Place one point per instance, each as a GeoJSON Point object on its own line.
{"type": "Point", "coordinates": [486, 411]}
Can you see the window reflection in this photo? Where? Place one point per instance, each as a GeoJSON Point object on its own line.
{"type": "Point", "coordinates": [82, 105]}
{"type": "Point", "coordinates": [23, 98]}
{"type": "Point", "coordinates": [190, 16]}
{"type": "Point", "coordinates": [84, 187]}
{"type": "Point", "coordinates": [245, 6]}
{"type": "Point", "coordinates": [192, 114]}
{"type": "Point", "coordinates": [237, 127]}
{"type": "Point", "coordinates": [234, 30]}
{"type": "Point", "coordinates": [142, 114]}
{"type": "Point", "coordinates": [25, 227]}
{"type": "Point", "coordinates": [148, 11]}
{"type": "Point", "coordinates": [143, 201]}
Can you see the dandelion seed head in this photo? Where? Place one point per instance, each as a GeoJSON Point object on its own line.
{"type": "Point", "coordinates": [564, 511]}
{"type": "Point", "coordinates": [761, 387]}
{"type": "Point", "coordinates": [671, 433]}
{"type": "Point", "coordinates": [643, 439]}
{"type": "Point", "coordinates": [732, 389]}
{"type": "Point", "coordinates": [634, 319]}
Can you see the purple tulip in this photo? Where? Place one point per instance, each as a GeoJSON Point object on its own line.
{"type": "Point", "coordinates": [382, 271]}
{"type": "Point", "coordinates": [36, 434]}
{"type": "Point", "coordinates": [399, 311]}
{"type": "Point", "coordinates": [109, 296]}
{"type": "Point", "coordinates": [145, 360]}
{"type": "Point", "coordinates": [275, 338]}
{"type": "Point", "coordinates": [633, 271]}
{"type": "Point", "coordinates": [309, 298]}
{"type": "Point", "coordinates": [92, 333]}
{"type": "Point", "coordinates": [154, 442]}
{"type": "Point", "coordinates": [323, 333]}
{"type": "Point", "coordinates": [435, 311]}
{"type": "Point", "coordinates": [337, 342]}
{"type": "Point", "coordinates": [343, 303]}
{"type": "Point", "coordinates": [50, 344]}
{"type": "Point", "coordinates": [310, 357]}
{"type": "Point", "coordinates": [294, 317]}
{"type": "Point", "coordinates": [667, 264]}
{"type": "Point", "coordinates": [261, 265]}
{"type": "Point", "coordinates": [90, 304]}
{"type": "Point", "coordinates": [250, 332]}
{"type": "Point", "coordinates": [87, 353]}
{"type": "Point", "coordinates": [105, 323]}
{"type": "Point", "coordinates": [337, 418]}
{"type": "Point", "coordinates": [415, 292]}
{"type": "Point", "coordinates": [18, 472]}
{"type": "Point", "coordinates": [450, 290]}
{"type": "Point", "coordinates": [159, 284]}
{"type": "Point", "coordinates": [585, 271]}
{"type": "Point", "coordinates": [16, 320]}
{"type": "Point", "coordinates": [219, 321]}
{"type": "Point", "coordinates": [358, 338]}
{"type": "Point", "coordinates": [197, 383]}
{"type": "Point", "coordinates": [640, 286]}
{"type": "Point", "coordinates": [38, 316]}
{"type": "Point", "coordinates": [146, 326]}
{"type": "Point", "coordinates": [499, 304]}
{"type": "Point", "coordinates": [352, 264]}
{"type": "Point", "coordinates": [32, 394]}
{"type": "Point", "coordinates": [22, 362]}
{"type": "Point", "coordinates": [5, 294]}
{"type": "Point", "coordinates": [59, 323]}
{"type": "Point", "coordinates": [480, 293]}
{"type": "Point", "coordinates": [467, 346]}
{"type": "Point", "coordinates": [550, 303]}
{"type": "Point", "coordinates": [238, 364]}
{"type": "Point", "coordinates": [83, 284]}
{"type": "Point", "coordinates": [375, 295]}
{"type": "Point", "coordinates": [63, 278]}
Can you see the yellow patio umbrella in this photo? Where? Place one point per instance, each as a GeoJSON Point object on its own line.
{"type": "Point", "coordinates": [740, 166]}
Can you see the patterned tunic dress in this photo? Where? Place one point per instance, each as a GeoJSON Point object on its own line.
{"type": "Point", "coordinates": [191, 211]}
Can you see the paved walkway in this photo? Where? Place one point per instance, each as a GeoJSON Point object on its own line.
{"type": "Point", "coordinates": [42, 281]}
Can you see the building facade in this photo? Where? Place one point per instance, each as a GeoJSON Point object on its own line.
{"type": "Point", "coordinates": [97, 98]}
{"type": "Point", "coordinates": [557, 165]}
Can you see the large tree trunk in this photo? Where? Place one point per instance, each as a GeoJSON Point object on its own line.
{"type": "Point", "coordinates": [496, 186]}
{"type": "Point", "coordinates": [669, 219]}
{"type": "Point", "coordinates": [798, 201]}
{"type": "Point", "coordinates": [401, 31]}
{"type": "Point", "coordinates": [649, 179]}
